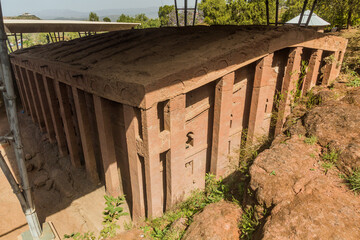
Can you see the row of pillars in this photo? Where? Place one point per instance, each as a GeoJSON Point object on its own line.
{"type": "Point", "coordinates": [62, 112]}
{"type": "Point", "coordinates": [262, 98]}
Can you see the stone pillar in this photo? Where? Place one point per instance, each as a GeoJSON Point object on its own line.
{"type": "Point", "coordinates": [24, 79]}
{"type": "Point", "coordinates": [36, 101]}
{"type": "Point", "coordinates": [21, 89]}
{"type": "Point", "coordinates": [261, 95]}
{"type": "Point", "coordinates": [153, 176]}
{"type": "Point", "coordinates": [45, 107]}
{"type": "Point", "coordinates": [55, 115]}
{"type": "Point", "coordinates": [221, 125]}
{"type": "Point", "coordinates": [175, 166]}
{"type": "Point", "coordinates": [332, 69]}
{"type": "Point", "coordinates": [85, 134]}
{"type": "Point", "coordinates": [292, 74]}
{"type": "Point", "coordinates": [107, 146]}
{"type": "Point", "coordinates": [132, 137]}
{"type": "Point", "coordinates": [313, 71]}
{"type": "Point", "coordinates": [74, 148]}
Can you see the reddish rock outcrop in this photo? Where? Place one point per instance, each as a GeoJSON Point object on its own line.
{"type": "Point", "coordinates": [218, 221]}
{"type": "Point", "coordinates": [336, 124]}
{"type": "Point", "coordinates": [288, 179]}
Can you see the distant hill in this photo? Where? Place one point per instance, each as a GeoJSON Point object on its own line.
{"type": "Point", "coordinates": [25, 16]}
{"type": "Point", "coordinates": [113, 14]}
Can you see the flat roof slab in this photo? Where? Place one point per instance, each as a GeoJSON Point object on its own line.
{"type": "Point", "coordinates": [125, 66]}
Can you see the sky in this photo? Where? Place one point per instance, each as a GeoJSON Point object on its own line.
{"type": "Point", "coordinates": [17, 7]}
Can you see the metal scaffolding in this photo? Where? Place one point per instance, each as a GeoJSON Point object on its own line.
{"type": "Point", "coordinates": [186, 10]}
{"type": "Point", "coordinates": [21, 189]}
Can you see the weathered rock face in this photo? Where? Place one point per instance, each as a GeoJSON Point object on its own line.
{"type": "Point", "coordinates": [275, 179]}
{"type": "Point", "coordinates": [305, 202]}
{"type": "Point", "coordinates": [336, 124]}
{"type": "Point", "coordinates": [218, 221]}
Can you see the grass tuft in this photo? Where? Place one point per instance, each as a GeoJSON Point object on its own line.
{"type": "Point", "coordinates": [330, 159]}
{"type": "Point", "coordinates": [312, 140]}
{"type": "Point", "coordinates": [354, 181]}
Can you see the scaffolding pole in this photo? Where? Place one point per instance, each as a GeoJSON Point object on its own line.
{"type": "Point", "coordinates": [311, 13]}
{"type": "Point", "coordinates": [267, 12]}
{"type": "Point", "coordinates": [302, 12]}
{"type": "Point", "coordinates": [277, 13]}
{"type": "Point", "coordinates": [11, 110]}
{"type": "Point", "coordinates": [177, 14]}
{"type": "Point", "coordinates": [186, 12]}
{"type": "Point", "coordinates": [195, 12]}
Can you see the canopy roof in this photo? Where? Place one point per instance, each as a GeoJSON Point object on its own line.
{"type": "Point", "coordinates": [38, 26]}
{"type": "Point", "coordinates": [315, 20]}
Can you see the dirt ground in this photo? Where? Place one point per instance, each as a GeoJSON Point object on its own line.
{"type": "Point", "coordinates": [63, 195]}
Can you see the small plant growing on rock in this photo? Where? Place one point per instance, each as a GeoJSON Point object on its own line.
{"type": "Point", "coordinates": [113, 212]}
{"type": "Point", "coordinates": [248, 223]}
{"type": "Point", "coordinates": [215, 190]}
{"type": "Point", "coordinates": [353, 79]}
{"type": "Point", "coordinates": [311, 140]}
{"type": "Point", "coordinates": [330, 59]}
{"type": "Point", "coordinates": [354, 181]}
{"type": "Point", "coordinates": [312, 99]}
{"type": "Point", "coordinates": [331, 156]}
{"type": "Point", "coordinates": [330, 159]}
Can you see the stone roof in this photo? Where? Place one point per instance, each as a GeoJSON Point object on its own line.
{"type": "Point", "coordinates": [125, 65]}
{"type": "Point", "coordinates": [39, 26]}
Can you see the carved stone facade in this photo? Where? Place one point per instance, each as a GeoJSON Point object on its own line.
{"type": "Point", "coordinates": [150, 112]}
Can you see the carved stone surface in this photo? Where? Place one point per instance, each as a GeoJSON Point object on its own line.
{"type": "Point", "coordinates": [153, 110]}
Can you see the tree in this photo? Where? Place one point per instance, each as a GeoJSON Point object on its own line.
{"type": "Point", "coordinates": [106, 19]}
{"type": "Point", "coordinates": [140, 18]}
{"type": "Point", "coordinates": [125, 18]}
{"type": "Point", "coordinates": [93, 17]}
{"type": "Point", "coordinates": [250, 12]}
{"type": "Point", "coordinates": [241, 12]}
{"type": "Point", "coordinates": [164, 14]}
{"type": "Point", "coordinates": [336, 12]}
{"type": "Point", "coordinates": [216, 12]}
